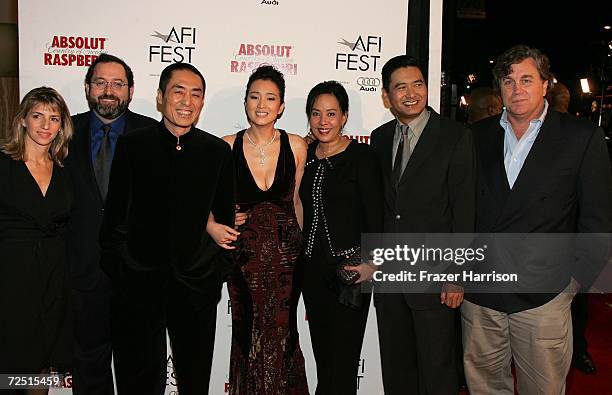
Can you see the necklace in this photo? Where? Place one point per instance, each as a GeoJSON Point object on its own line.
{"type": "Point", "coordinates": [261, 148]}
{"type": "Point", "coordinates": [178, 143]}
{"type": "Point", "coordinates": [329, 152]}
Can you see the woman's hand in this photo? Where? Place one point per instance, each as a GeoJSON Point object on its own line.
{"type": "Point", "coordinates": [223, 235]}
{"type": "Point", "coordinates": [366, 271]}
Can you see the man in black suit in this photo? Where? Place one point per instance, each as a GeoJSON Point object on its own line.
{"type": "Point", "coordinates": [166, 270]}
{"type": "Point", "coordinates": [539, 171]}
{"type": "Point", "coordinates": [428, 167]}
{"type": "Point", "coordinates": [559, 99]}
{"type": "Point", "coordinates": [109, 86]}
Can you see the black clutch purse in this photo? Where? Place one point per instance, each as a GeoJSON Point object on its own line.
{"type": "Point", "coordinates": [350, 257]}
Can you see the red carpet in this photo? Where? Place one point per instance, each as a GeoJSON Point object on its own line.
{"type": "Point", "coordinates": [599, 338]}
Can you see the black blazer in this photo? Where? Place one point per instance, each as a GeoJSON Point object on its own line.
{"type": "Point", "coordinates": [158, 203]}
{"type": "Point", "coordinates": [86, 216]}
{"type": "Point", "coordinates": [436, 191]}
{"type": "Point", "coordinates": [564, 186]}
{"type": "Point", "coordinates": [351, 195]}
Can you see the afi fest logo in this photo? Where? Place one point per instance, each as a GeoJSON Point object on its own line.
{"type": "Point", "coordinates": [364, 54]}
{"type": "Point", "coordinates": [178, 46]}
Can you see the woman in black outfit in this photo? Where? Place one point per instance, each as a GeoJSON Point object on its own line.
{"type": "Point", "coordinates": [35, 203]}
{"type": "Point", "coordinates": [341, 193]}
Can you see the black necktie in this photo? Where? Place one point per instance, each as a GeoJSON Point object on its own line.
{"type": "Point", "coordinates": [103, 161]}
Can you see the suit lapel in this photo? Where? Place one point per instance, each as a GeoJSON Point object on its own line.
{"type": "Point", "coordinates": [385, 149]}
{"type": "Point", "coordinates": [537, 169]}
{"type": "Point", "coordinates": [85, 150]}
{"type": "Point", "coordinates": [386, 142]}
{"type": "Point", "coordinates": [129, 122]}
{"type": "Point", "coordinates": [427, 142]}
{"type": "Point", "coordinates": [492, 161]}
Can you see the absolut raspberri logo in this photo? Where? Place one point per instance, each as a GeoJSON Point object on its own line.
{"type": "Point", "coordinates": [73, 50]}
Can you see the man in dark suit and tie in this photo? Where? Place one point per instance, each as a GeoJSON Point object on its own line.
{"type": "Point", "coordinates": [109, 86]}
{"type": "Point", "coordinates": [428, 167]}
{"type": "Point", "coordinates": [539, 171]}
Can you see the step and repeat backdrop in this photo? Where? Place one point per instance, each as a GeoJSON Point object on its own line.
{"type": "Point", "coordinates": [309, 41]}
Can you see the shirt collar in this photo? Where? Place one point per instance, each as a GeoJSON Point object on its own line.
{"type": "Point", "coordinates": [416, 125]}
{"type": "Point", "coordinates": [503, 121]}
{"type": "Point", "coordinates": [169, 136]}
{"type": "Point", "coordinates": [117, 125]}
{"type": "Point", "coordinates": [532, 131]}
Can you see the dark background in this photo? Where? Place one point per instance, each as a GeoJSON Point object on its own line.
{"type": "Point", "coordinates": [571, 34]}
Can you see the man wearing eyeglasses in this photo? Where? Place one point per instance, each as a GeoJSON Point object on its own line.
{"type": "Point", "coordinates": [109, 86]}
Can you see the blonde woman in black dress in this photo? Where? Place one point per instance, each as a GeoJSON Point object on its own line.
{"type": "Point", "coordinates": [35, 203]}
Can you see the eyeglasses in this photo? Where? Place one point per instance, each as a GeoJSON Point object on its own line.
{"type": "Point", "coordinates": [102, 84]}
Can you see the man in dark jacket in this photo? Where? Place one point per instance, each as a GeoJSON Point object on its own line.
{"type": "Point", "coordinates": [428, 176]}
{"type": "Point", "coordinates": [539, 172]}
{"type": "Point", "coordinates": [109, 86]}
{"type": "Point", "coordinates": [166, 270]}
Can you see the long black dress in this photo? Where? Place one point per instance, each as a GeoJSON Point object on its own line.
{"type": "Point", "coordinates": [34, 330]}
{"type": "Point", "coordinates": [266, 356]}
{"type": "Point", "coordinates": [342, 198]}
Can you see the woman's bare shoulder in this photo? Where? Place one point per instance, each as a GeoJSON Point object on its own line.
{"type": "Point", "coordinates": [230, 138]}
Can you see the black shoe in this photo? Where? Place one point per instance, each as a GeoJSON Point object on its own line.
{"type": "Point", "coordinates": [584, 363]}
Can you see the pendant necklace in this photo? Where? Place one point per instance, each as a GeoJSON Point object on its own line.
{"type": "Point", "coordinates": [261, 148]}
{"type": "Point", "coordinates": [178, 143]}
{"type": "Point", "coordinates": [331, 151]}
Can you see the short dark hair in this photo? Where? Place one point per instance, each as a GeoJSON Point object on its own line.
{"type": "Point", "coordinates": [328, 87]}
{"type": "Point", "coordinates": [108, 58]}
{"type": "Point", "coordinates": [395, 63]}
{"type": "Point", "coordinates": [166, 74]}
{"type": "Point", "coordinates": [517, 54]}
{"type": "Point", "coordinates": [268, 73]}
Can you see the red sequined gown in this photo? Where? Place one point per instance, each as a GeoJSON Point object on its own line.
{"type": "Point", "coordinates": [266, 356]}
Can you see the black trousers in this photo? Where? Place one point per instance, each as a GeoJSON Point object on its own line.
{"type": "Point", "coordinates": [580, 307]}
{"type": "Point", "coordinates": [92, 372]}
{"type": "Point", "coordinates": [336, 331]}
{"type": "Point", "coordinates": [143, 309]}
{"type": "Point", "coordinates": [417, 347]}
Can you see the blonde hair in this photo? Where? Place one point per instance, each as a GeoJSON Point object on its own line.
{"type": "Point", "coordinates": [14, 144]}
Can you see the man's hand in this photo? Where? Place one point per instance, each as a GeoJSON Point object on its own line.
{"type": "Point", "coordinates": [451, 295]}
{"type": "Point", "coordinates": [223, 235]}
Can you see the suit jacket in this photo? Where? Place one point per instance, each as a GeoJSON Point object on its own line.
{"type": "Point", "coordinates": [436, 191]}
{"type": "Point", "coordinates": [86, 217]}
{"type": "Point", "coordinates": [564, 186]}
{"type": "Point", "coordinates": [158, 203]}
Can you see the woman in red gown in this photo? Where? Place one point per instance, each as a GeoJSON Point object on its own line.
{"type": "Point", "coordinates": [269, 163]}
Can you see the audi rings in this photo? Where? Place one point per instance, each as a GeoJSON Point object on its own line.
{"type": "Point", "coordinates": [368, 81]}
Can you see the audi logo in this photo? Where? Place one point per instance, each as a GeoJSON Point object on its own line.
{"type": "Point", "coordinates": [368, 81]}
